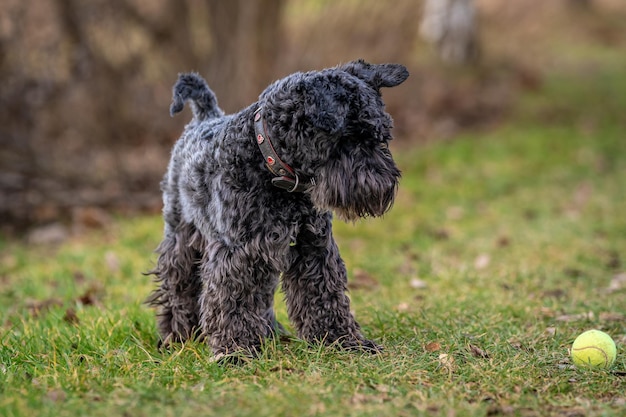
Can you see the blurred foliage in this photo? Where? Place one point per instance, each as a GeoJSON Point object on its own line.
{"type": "Point", "coordinates": [86, 85]}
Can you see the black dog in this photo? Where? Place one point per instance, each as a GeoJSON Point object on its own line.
{"type": "Point", "coordinates": [248, 200]}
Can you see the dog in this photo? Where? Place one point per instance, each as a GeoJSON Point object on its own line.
{"type": "Point", "coordinates": [249, 200]}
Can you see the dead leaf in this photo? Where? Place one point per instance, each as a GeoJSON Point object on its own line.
{"type": "Point", "coordinates": [482, 261]}
{"type": "Point", "coordinates": [568, 411]}
{"type": "Point", "coordinates": [360, 398]}
{"type": "Point", "coordinates": [70, 316]}
{"type": "Point", "coordinates": [499, 410]}
{"type": "Point", "coordinates": [582, 194]}
{"type": "Point", "coordinates": [79, 277]}
{"type": "Point", "coordinates": [455, 212]}
{"type": "Point", "coordinates": [37, 307]}
{"type": "Point", "coordinates": [91, 296]}
{"type": "Point", "coordinates": [573, 272]}
{"type": "Point", "coordinates": [614, 261]}
{"type": "Point", "coordinates": [546, 312]}
{"type": "Point", "coordinates": [199, 387]}
{"type": "Point", "coordinates": [362, 280]}
{"type": "Point", "coordinates": [432, 347]}
{"type": "Point", "coordinates": [402, 307]}
{"type": "Point", "coordinates": [383, 388]}
{"type": "Point", "coordinates": [503, 241]}
{"type": "Point", "coordinates": [478, 352]}
{"type": "Point", "coordinates": [418, 284]}
{"type": "Point", "coordinates": [407, 268]}
{"type": "Point", "coordinates": [617, 283]}
{"type": "Point", "coordinates": [611, 316]}
{"type": "Point", "coordinates": [440, 234]}
{"type": "Point", "coordinates": [56, 395]}
{"type": "Point", "coordinates": [551, 331]}
{"type": "Point", "coordinates": [555, 293]}
{"type": "Point", "coordinates": [530, 214]}
{"type": "Point", "coordinates": [447, 362]}
{"type": "Point", "coordinates": [619, 402]}
{"type": "Point", "coordinates": [112, 261]}
{"type": "Point", "coordinates": [575, 317]}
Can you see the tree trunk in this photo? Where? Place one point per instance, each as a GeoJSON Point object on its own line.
{"type": "Point", "coordinates": [450, 25]}
{"type": "Point", "coordinates": [246, 36]}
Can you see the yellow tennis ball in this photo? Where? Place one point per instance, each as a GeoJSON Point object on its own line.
{"type": "Point", "coordinates": [593, 349]}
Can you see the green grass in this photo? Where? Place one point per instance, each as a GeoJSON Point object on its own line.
{"type": "Point", "coordinates": [514, 236]}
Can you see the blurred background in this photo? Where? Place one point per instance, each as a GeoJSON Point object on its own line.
{"type": "Point", "coordinates": [85, 86]}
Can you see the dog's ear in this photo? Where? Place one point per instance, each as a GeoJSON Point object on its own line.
{"type": "Point", "coordinates": [325, 105]}
{"type": "Point", "coordinates": [377, 75]}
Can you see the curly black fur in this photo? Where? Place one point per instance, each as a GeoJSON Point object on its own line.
{"type": "Point", "coordinates": [230, 234]}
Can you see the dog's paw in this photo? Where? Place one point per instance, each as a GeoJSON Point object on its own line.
{"type": "Point", "coordinates": [236, 357]}
{"type": "Point", "coordinates": [166, 342]}
{"type": "Point", "coordinates": [362, 345]}
{"type": "Point", "coordinates": [232, 359]}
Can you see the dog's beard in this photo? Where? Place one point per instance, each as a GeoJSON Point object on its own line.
{"type": "Point", "coordinates": [357, 185]}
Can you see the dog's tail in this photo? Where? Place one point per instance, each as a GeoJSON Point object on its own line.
{"type": "Point", "coordinates": [192, 87]}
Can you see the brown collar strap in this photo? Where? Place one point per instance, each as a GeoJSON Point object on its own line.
{"type": "Point", "coordinates": [285, 176]}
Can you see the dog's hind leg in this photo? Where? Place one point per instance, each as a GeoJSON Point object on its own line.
{"type": "Point", "coordinates": [177, 271]}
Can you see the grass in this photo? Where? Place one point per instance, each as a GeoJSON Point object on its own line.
{"type": "Point", "coordinates": [500, 250]}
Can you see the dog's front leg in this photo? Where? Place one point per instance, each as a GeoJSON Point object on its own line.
{"type": "Point", "coordinates": [315, 290]}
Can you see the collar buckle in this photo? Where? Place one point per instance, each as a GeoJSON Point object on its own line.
{"type": "Point", "coordinates": [285, 176]}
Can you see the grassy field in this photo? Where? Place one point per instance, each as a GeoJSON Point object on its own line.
{"type": "Point", "coordinates": [502, 247]}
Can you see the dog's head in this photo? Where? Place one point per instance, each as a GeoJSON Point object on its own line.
{"type": "Point", "coordinates": [331, 126]}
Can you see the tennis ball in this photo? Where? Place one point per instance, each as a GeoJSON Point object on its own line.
{"type": "Point", "coordinates": [593, 349]}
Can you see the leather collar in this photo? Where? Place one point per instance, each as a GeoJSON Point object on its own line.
{"type": "Point", "coordinates": [285, 177]}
